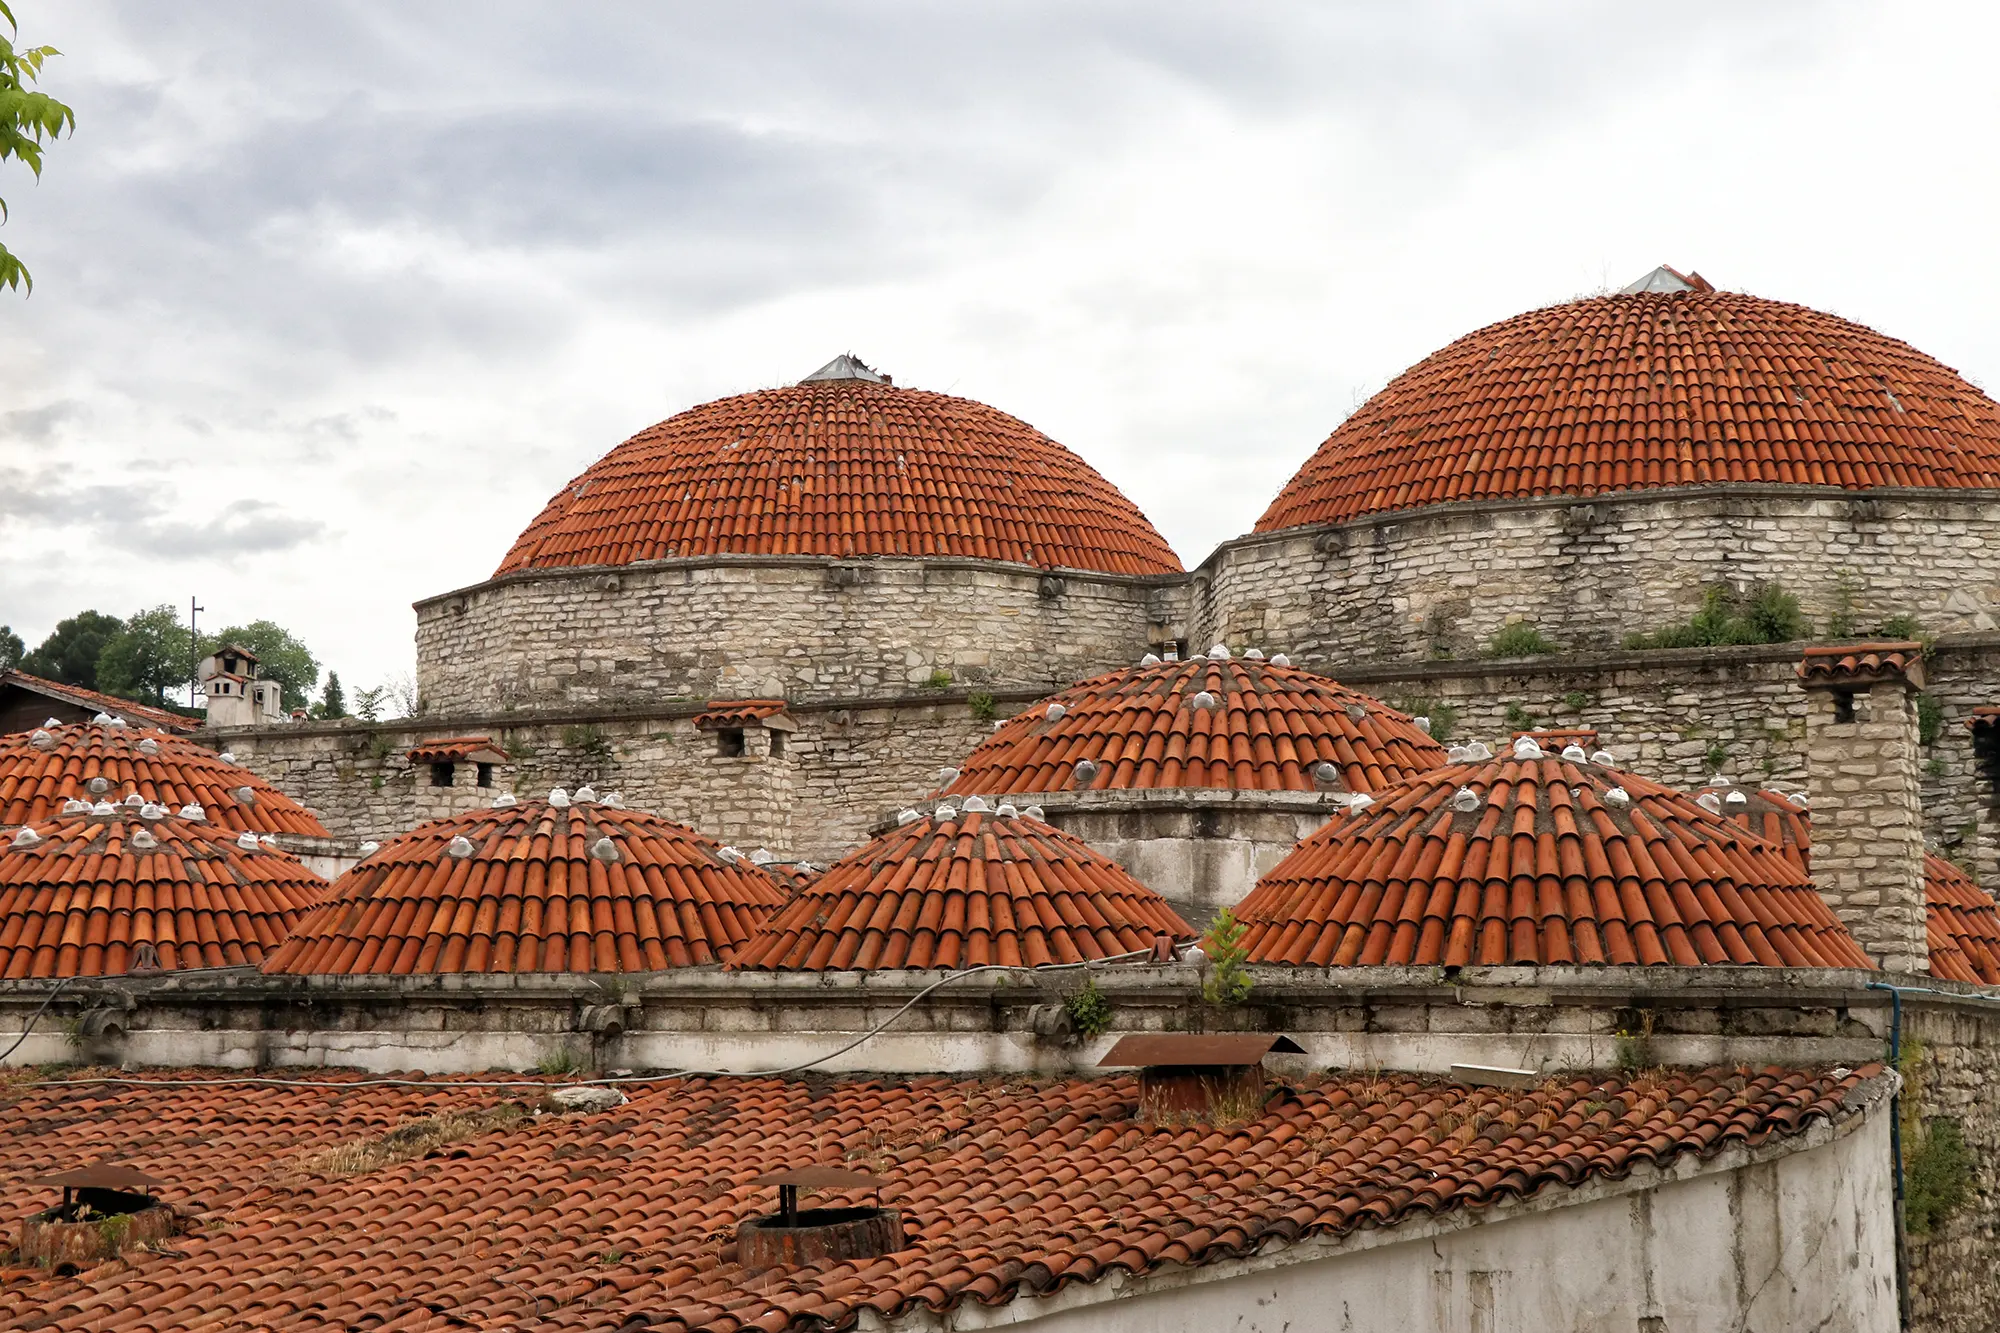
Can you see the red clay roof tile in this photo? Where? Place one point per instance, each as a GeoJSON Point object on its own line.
{"type": "Point", "coordinates": [1986, 715]}
{"type": "Point", "coordinates": [534, 894]}
{"type": "Point", "coordinates": [87, 893]}
{"type": "Point", "coordinates": [104, 703]}
{"type": "Point", "coordinates": [1008, 1188]}
{"type": "Point", "coordinates": [843, 468]}
{"type": "Point", "coordinates": [1628, 392]}
{"type": "Point", "coordinates": [1512, 860]}
{"type": "Point", "coordinates": [456, 750]}
{"type": "Point", "coordinates": [37, 776]}
{"type": "Point", "coordinates": [722, 713]}
{"type": "Point", "coordinates": [964, 892]}
{"type": "Point", "coordinates": [1861, 663]}
{"type": "Point", "coordinates": [1271, 726]}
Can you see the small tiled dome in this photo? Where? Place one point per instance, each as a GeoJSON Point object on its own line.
{"type": "Point", "coordinates": [1262, 727]}
{"type": "Point", "coordinates": [535, 886]}
{"type": "Point", "coordinates": [42, 768]}
{"type": "Point", "coordinates": [1684, 386]}
{"type": "Point", "coordinates": [963, 891]}
{"type": "Point", "coordinates": [79, 895]}
{"type": "Point", "coordinates": [1540, 860]}
{"type": "Point", "coordinates": [843, 464]}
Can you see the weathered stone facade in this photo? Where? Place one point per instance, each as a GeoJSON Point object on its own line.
{"type": "Point", "coordinates": [1587, 572]}
{"type": "Point", "coordinates": [1950, 1060]}
{"type": "Point", "coordinates": [784, 627]}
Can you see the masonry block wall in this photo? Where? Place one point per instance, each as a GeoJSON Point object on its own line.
{"type": "Point", "coordinates": [796, 628]}
{"type": "Point", "coordinates": [1587, 572]}
{"type": "Point", "coordinates": [1951, 1065]}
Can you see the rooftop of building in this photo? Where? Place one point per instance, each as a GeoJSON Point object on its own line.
{"type": "Point", "coordinates": [1667, 383]}
{"type": "Point", "coordinates": [78, 697]}
{"type": "Point", "coordinates": [843, 464]}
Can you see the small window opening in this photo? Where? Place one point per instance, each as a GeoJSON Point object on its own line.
{"type": "Point", "coordinates": [1843, 705]}
{"type": "Point", "coordinates": [777, 745]}
{"type": "Point", "coordinates": [729, 742]}
{"type": "Point", "coordinates": [443, 775]}
{"type": "Point", "coordinates": [486, 775]}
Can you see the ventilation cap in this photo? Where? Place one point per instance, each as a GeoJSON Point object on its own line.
{"type": "Point", "coordinates": [1602, 758]}
{"type": "Point", "coordinates": [1034, 812]}
{"type": "Point", "coordinates": [1280, 659]}
{"type": "Point", "coordinates": [1006, 811]}
{"type": "Point", "coordinates": [369, 849]}
{"type": "Point", "coordinates": [103, 808]}
{"type": "Point", "coordinates": [907, 817]}
{"type": "Point", "coordinates": [976, 805]}
{"type": "Point", "coordinates": [247, 841]}
{"type": "Point", "coordinates": [604, 849]}
{"type": "Point", "coordinates": [1574, 754]}
{"type": "Point", "coordinates": [585, 793]}
{"type": "Point", "coordinates": [97, 786]}
{"type": "Point", "coordinates": [459, 848]}
{"type": "Point", "coordinates": [193, 810]}
{"type": "Point", "coordinates": [141, 840]}
{"type": "Point", "coordinates": [41, 740]}
{"type": "Point", "coordinates": [1204, 701]}
{"type": "Point", "coordinates": [1219, 653]}
{"type": "Point", "coordinates": [1150, 659]}
{"type": "Point", "coordinates": [1054, 712]}
{"type": "Point", "coordinates": [947, 776]}
{"type": "Point", "coordinates": [559, 798]}
{"type": "Point", "coordinates": [1422, 724]}
{"type": "Point", "coordinates": [762, 857]}
{"type": "Point", "coordinates": [1253, 654]}
{"type": "Point", "coordinates": [505, 799]}
{"type": "Point", "coordinates": [244, 796]}
{"type": "Point", "coordinates": [1525, 748]}
{"type": "Point", "coordinates": [149, 746]}
{"type": "Point", "coordinates": [1477, 752]}
{"type": "Point", "coordinates": [1618, 796]}
{"type": "Point", "coordinates": [1465, 800]}
{"type": "Point", "coordinates": [944, 814]}
{"type": "Point", "coordinates": [1084, 773]}
{"type": "Point", "coordinates": [27, 837]}
{"type": "Point", "coordinates": [75, 807]}
{"type": "Point", "coordinates": [1361, 802]}
{"type": "Point", "coordinates": [226, 757]}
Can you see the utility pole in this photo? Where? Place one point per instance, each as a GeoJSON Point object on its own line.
{"type": "Point", "coordinates": [194, 652]}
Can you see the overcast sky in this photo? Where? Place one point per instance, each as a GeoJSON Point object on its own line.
{"type": "Point", "coordinates": [330, 298]}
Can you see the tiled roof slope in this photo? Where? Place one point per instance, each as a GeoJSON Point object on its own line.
{"type": "Point", "coordinates": [37, 777]}
{"type": "Point", "coordinates": [965, 891]}
{"type": "Point", "coordinates": [1544, 865]}
{"type": "Point", "coordinates": [722, 713]}
{"type": "Point", "coordinates": [84, 896]}
{"type": "Point", "coordinates": [1142, 728]}
{"type": "Point", "coordinates": [453, 749]}
{"type": "Point", "coordinates": [1628, 392]}
{"type": "Point", "coordinates": [1861, 663]}
{"type": "Point", "coordinates": [626, 1219]}
{"type": "Point", "coordinates": [843, 468]}
{"type": "Point", "coordinates": [103, 703]}
{"type": "Point", "coordinates": [584, 887]}
{"type": "Point", "coordinates": [1961, 919]}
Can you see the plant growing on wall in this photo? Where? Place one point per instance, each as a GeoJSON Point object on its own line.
{"type": "Point", "coordinates": [1519, 718]}
{"type": "Point", "coordinates": [1520, 640]}
{"type": "Point", "coordinates": [1089, 1011]}
{"type": "Point", "coordinates": [1768, 614]}
{"type": "Point", "coordinates": [1227, 981]}
{"type": "Point", "coordinates": [982, 705]}
{"type": "Point", "coordinates": [1930, 719]}
{"type": "Point", "coordinates": [1937, 1165]}
{"type": "Point", "coordinates": [940, 679]}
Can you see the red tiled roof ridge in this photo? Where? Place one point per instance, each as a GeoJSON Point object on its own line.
{"type": "Point", "coordinates": [736, 712]}
{"type": "Point", "coordinates": [81, 898]}
{"type": "Point", "coordinates": [1010, 1187]}
{"type": "Point", "coordinates": [1545, 865]}
{"type": "Point", "coordinates": [1273, 725]}
{"type": "Point", "coordinates": [451, 749]}
{"type": "Point", "coordinates": [533, 894]}
{"type": "Point", "coordinates": [966, 891]}
{"type": "Point", "coordinates": [839, 469]}
{"type": "Point", "coordinates": [165, 719]}
{"type": "Point", "coordinates": [1646, 391]}
{"type": "Point", "coordinates": [35, 782]}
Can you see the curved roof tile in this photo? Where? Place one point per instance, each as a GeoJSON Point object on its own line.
{"type": "Point", "coordinates": [87, 893]}
{"type": "Point", "coordinates": [1271, 726]}
{"type": "Point", "coordinates": [532, 895]}
{"type": "Point", "coordinates": [37, 776]}
{"type": "Point", "coordinates": [966, 891]}
{"type": "Point", "coordinates": [843, 468]}
{"type": "Point", "coordinates": [1641, 391]}
{"type": "Point", "coordinates": [1542, 865]}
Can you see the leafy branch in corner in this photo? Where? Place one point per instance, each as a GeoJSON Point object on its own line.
{"type": "Point", "coordinates": [28, 120]}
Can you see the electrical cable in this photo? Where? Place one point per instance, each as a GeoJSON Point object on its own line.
{"type": "Point", "coordinates": [265, 1081]}
{"type": "Point", "coordinates": [36, 1017]}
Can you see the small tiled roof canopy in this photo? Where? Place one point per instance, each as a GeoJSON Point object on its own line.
{"type": "Point", "coordinates": [80, 898]}
{"type": "Point", "coordinates": [540, 888]}
{"type": "Point", "coordinates": [843, 467]}
{"type": "Point", "coordinates": [962, 892]}
{"type": "Point", "coordinates": [41, 769]}
{"type": "Point", "coordinates": [457, 750]}
{"type": "Point", "coordinates": [1269, 728]}
{"type": "Point", "coordinates": [1010, 1188]}
{"type": "Point", "coordinates": [78, 697]}
{"type": "Point", "coordinates": [1646, 390]}
{"type": "Point", "coordinates": [1859, 664]}
{"type": "Point", "coordinates": [1961, 919]}
{"type": "Point", "coordinates": [1536, 860]}
{"type": "Point", "coordinates": [722, 713]}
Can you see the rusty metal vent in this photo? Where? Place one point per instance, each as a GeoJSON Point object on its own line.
{"type": "Point", "coordinates": [792, 1236]}
{"type": "Point", "coordinates": [106, 1210]}
{"type": "Point", "coordinates": [1199, 1079]}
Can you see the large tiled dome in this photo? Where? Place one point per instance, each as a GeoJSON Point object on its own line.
{"type": "Point", "coordinates": [843, 464]}
{"type": "Point", "coordinates": [1244, 723]}
{"type": "Point", "coordinates": [1673, 385]}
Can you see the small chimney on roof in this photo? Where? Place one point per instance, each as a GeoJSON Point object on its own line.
{"type": "Point", "coordinates": [793, 1237]}
{"type": "Point", "coordinates": [71, 1236]}
{"type": "Point", "coordinates": [1865, 784]}
{"type": "Point", "coordinates": [1199, 1079]}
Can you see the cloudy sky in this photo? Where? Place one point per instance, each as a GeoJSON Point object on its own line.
{"type": "Point", "coordinates": [330, 298]}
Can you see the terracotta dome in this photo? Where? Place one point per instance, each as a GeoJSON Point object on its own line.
{"type": "Point", "coordinates": [80, 894]}
{"type": "Point", "coordinates": [535, 887]}
{"type": "Point", "coordinates": [1674, 385]}
{"type": "Point", "coordinates": [1268, 728]}
{"type": "Point", "coordinates": [843, 464]}
{"type": "Point", "coordinates": [43, 768]}
{"type": "Point", "coordinates": [963, 890]}
{"type": "Point", "coordinates": [1540, 860]}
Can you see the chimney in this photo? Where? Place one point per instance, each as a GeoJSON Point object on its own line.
{"type": "Point", "coordinates": [1195, 1079]}
{"type": "Point", "coordinates": [794, 1237]}
{"type": "Point", "coordinates": [1863, 778]}
{"type": "Point", "coordinates": [106, 1209]}
{"type": "Point", "coordinates": [1985, 727]}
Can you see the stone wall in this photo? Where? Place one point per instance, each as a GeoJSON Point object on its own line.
{"type": "Point", "coordinates": [1951, 1064]}
{"type": "Point", "coordinates": [803, 629]}
{"type": "Point", "coordinates": [1587, 572]}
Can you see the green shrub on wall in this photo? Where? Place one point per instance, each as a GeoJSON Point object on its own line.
{"type": "Point", "coordinates": [1520, 640]}
{"type": "Point", "coordinates": [1768, 614]}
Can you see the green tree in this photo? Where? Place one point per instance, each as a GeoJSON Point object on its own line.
{"type": "Point", "coordinates": [28, 120]}
{"type": "Point", "coordinates": [70, 653]}
{"type": "Point", "coordinates": [280, 657]}
{"type": "Point", "coordinates": [11, 648]}
{"type": "Point", "coordinates": [333, 703]}
{"type": "Point", "coordinates": [147, 657]}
